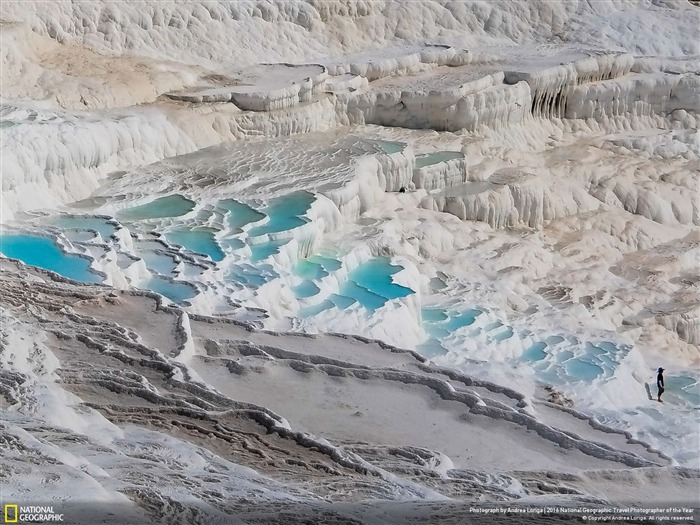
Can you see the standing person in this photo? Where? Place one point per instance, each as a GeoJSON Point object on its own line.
{"type": "Point", "coordinates": [660, 384]}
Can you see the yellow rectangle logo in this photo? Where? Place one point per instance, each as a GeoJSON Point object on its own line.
{"type": "Point", "coordinates": [11, 510]}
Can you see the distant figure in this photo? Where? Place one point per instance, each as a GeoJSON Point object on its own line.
{"type": "Point", "coordinates": [660, 384]}
{"type": "Point", "coordinates": [402, 190]}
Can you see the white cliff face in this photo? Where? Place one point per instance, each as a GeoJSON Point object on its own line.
{"type": "Point", "coordinates": [510, 198]}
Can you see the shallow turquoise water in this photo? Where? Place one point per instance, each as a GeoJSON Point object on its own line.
{"type": "Point", "coordinates": [535, 352]}
{"type": "Point", "coordinates": [310, 311]}
{"type": "Point", "coordinates": [461, 320]}
{"type": "Point", "coordinates": [316, 267]}
{"type": "Point", "coordinates": [158, 262]}
{"type": "Point", "coordinates": [170, 206]}
{"type": "Point", "coordinates": [433, 315]}
{"type": "Point", "coordinates": [687, 388]}
{"type": "Point", "coordinates": [240, 214]}
{"type": "Point", "coordinates": [554, 339]}
{"type": "Point", "coordinates": [248, 275]}
{"type": "Point", "coordinates": [370, 284]}
{"type": "Point", "coordinates": [365, 297]}
{"type": "Point", "coordinates": [390, 147]}
{"type": "Point", "coordinates": [375, 276]}
{"type": "Point", "coordinates": [285, 213]}
{"type": "Point", "coordinates": [431, 348]}
{"type": "Point", "coordinates": [103, 226]}
{"type": "Point", "coordinates": [199, 240]}
{"type": "Point", "coordinates": [439, 323]}
{"type": "Point", "coordinates": [45, 253]}
{"type": "Point", "coordinates": [234, 244]}
{"type": "Point", "coordinates": [342, 302]}
{"type": "Point", "coordinates": [433, 158]}
{"type": "Point", "coordinates": [505, 334]}
{"type": "Point", "coordinates": [306, 289]}
{"type": "Point", "coordinates": [307, 269]}
{"type": "Point", "coordinates": [176, 292]}
{"type": "Point", "coordinates": [579, 369]}
{"type": "Point", "coordinates": [263, 250]}
{"type": "Point", "coordinates": [328, 264]}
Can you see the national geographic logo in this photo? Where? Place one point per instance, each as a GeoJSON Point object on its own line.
{"type": "Point", "coordinates": [13, 513]}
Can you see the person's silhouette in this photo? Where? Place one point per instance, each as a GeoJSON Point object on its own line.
{"type": "Point", "coordinates": [660, 383]}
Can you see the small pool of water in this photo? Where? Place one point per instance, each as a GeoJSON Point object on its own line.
{"type": "Point", "coordinates": [263, 250]}
{"type": "Point", "coordinates": [170, 206]}
{"type": "Point", "coordinates": [390, 147]}
{"type": "Point", "coordinates": [234, 244]}
{"type": "Point", "coordinates": [434, 158]}
{"type": "Point", "coordinates": [684, 387]}
{"type": "Point", "coordinates": [433, 315]}
{"type": "Point", "coordinates": [505, 334]}
{"type": "Point", "coordinates": [248, 275]}
{"type": "Point", "coordinates": [45, 253]}
{"type": "Point", "coordinates": [375, 277]}
{"type": "Point", "coordinates": [341, 302]}
{"type": "Point", "coordinates": [460, 320]}
{"type": "Point", "coordinates": [285, 213]}
{"type": "Point", "coordinates": [329, 264]}
{"type": "Point", "coordinates": [158, 262]}
{"type": "Point", "coordinates": [371, 301]}
{"type": "Point", "coordinates": [307, 269]}
{"type": "Point", "coordinates": [310, 311]}
{"type": "Point", "coordinates": [105, 228]}
{"type": "Point", "coordinates": [431, 348]}
{"type": "Point", "coordinates": [79, 236]}
{"type": "Point", "coordinates": [173, 290]}
{"type": "Point", "coordinates": [583, 370]}
{"type": "Point", "coordinates": [306, 289]}
{"type": "Point", "coordinates": [240, 214]}
{"type": "Point", "coordinates": [198, 240]}
{"type": "Point", "coordinates": [554, 340]}
{"type": "Point", "coordinates": [535, 352]}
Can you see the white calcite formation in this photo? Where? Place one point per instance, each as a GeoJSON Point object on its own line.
{"type": "Point", "coordinates": [399, 60]}
{"type": "Point", "coordinates": [265, 87]}
{"type": "Point", "coordinates": [435, 171]}
{"type": "Point", "coordinates": [512, 197]}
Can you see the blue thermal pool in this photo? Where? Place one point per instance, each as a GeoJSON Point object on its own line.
{"type": "Point", "coordinates": [45, 253]}
{"type": "Point", "coordinates": [175, 291]}
{"type": "Point", "coordinates": [535, 352]}
{"type": "Point", "coordinates": [583, 370]}
{"type": "Point", "coordinates": [105, 228]}
{"type": "Point", "coordinates": [170, 206]}
{"type": "Point", "coordinates": [371, 284]}
{"type": "Point", "coordinates": [198, 240]}
{"type": "Point", "coordinates": [434, 158]}
{"type": "Point", "coordinates": [285, 213]}
{"type": "Point", "coordinates": [158, 262]}
{"type": "Point", "coordinates": [306, 289]}
{"type": "Point", "coordinates": [239, 214]}
{"type": "Point", "coordinates": [390, 147]}
{"type": "Point", "coordinates": [263, 250]}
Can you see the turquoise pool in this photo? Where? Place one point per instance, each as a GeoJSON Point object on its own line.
{"type": "Point", "coordinates": [45, 253]}
{"type": "Point", "coordinates": [105, 228]}
{"type": "Point", "coordinates": [239, 214]}
{"type": "Point", "coordinates": [173, 290]}
{"type": "Point", "coordinates": [198, 240]}
{"type": "Point", "coordinates": [371, 284]}
{"type": "Point", "coordinates": [170, 206]}
{"type": "Point", "coordinates": [434, 158]}
{"type": "Point", "coordinates": [285, 213]}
